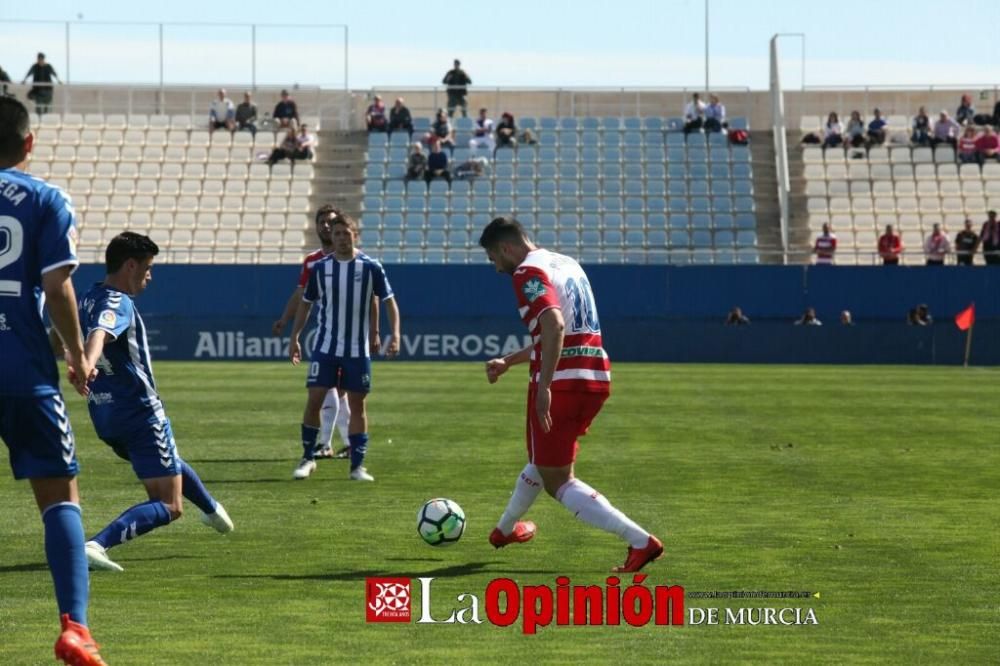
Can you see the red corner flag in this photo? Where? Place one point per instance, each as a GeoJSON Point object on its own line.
{"type": "Point", "coordinates": [966, 318]}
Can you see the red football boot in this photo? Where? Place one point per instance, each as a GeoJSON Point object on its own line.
{"type": "Point", "coordinates": [524, 530]}
{"type": "Point", "coordinates": [639, 557]}
{"type": "Point", "coordinates": [75, 645]}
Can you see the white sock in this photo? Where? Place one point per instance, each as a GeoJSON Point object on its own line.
{"type": "Point", "coordinates": [327, 417]}
{"type": "Point", "coordinates": [594, 509]}
{"type": "Point", "coordinates": [529, 484]}
{"type": "Point", "coordinates": [344, 420]}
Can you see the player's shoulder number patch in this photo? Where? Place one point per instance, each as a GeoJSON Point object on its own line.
{"type": "Point", "coordinates": [107, 318]}
{"type": "Point", "coordinates": [533, 289]}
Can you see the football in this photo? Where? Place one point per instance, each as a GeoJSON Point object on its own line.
{"type": "Point", "coordinates": [440, 522]}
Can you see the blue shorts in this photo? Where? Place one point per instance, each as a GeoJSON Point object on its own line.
{"type": "Point", "coordinates": [151, 450]}
{"type": "Point", "coordinates": [350, 374]}
{"type": "Point", "coordinates": [39, 437]}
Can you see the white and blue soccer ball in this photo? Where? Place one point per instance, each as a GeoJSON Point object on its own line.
{"type": "Point", "coordinates": [440, 522]}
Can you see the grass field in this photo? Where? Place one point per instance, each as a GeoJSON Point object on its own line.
{"type": "Point", "coordinates": [874, 486]}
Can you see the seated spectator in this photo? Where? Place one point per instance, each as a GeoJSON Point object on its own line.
{"type": "Point", "coordinates": [890, 246]}
{"type": "Point", "coordinates": [988, 145]}
{"type": "Point", "coordinates": [808, 318]}
{"type": "Point", "coordinates": [375, 118]}
{"type": "Point", "coordinates": [737, 318]}
{"type": "Point", "coordinates": [304, 144]}
{"type": "Point", "coordinates": [945, 131]}
{"type": "Point", "coordinates": [286, 150]}
{"type": "Point", "coordinates": [966, 242]}
{"type": "Point", "coordinates": [222, 113]}
{"type": "Point", "coordinates": [437, 164]}
{"type": "Point", "coordinates": [286, 111]}
{"type": "Point", "coordinates": [715, 114]}
{"type": "Point", "coordinates": [919, 316]}
{"type": "Point", "coordinates": [246, 115]}
{"type": "Point", "coordinates": [825, 247]}
{"type": "Point", "coordinates": [694, 114]}
{"type": "Point", "coordinates": [474, 167]}
{"type": "Point", "coordinates": [528, 138]}
{"type": "Point", "coordinates": [506, 131]}
{"type": "Point", "coordinates": [921, 128]}
{"type": "Point", "coordinates": [441, 131]}
{"type": "Point", "coordinates": [989, 238]}
{"type": "Point", "coordinates": [833, 131]}
{"type": "Point", "coordinates": [400, 118]}
{"type": "Point", "coordinates": [846, 319]}
{"type": "Point", "coordinates": [936, 247]}
{"type": "Point", "coordinates": [416, 163]}
{"type": "Point", "coordinates": [967, 146]}
{"type": "Point", "coordinates": [966, 113]}
{"type": "Point", "coordinates": [855, 133]}
{"type": "Point", "coordinates": [482, 133]}
{"type": "Point", "coordinates": [876, 129]}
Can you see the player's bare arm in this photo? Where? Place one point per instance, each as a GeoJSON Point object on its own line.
{"type": "Point", "coordinates": [552, 324]}
{"type": "Point", "coordinates": [301, 316]}
{"type": "Point", "coordinates": [497, 366]}
{"type": "Point", "coordinates": [61, 303]}
{"type": "Point", "coordinates": [289, 312]}
{"type": "Point", "coordinates": [392, 309]}
{"type": "Point", "coordinates": [375, 340]}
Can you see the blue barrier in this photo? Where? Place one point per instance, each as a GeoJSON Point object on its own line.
{"type": "Point", "coordinates": [655, 313]}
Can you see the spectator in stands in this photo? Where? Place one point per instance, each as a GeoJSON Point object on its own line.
{"type": "Point", "coordinates": [441, 131]}
{"type": "Point", "coordinates": [4, 80]}
{"type": "Point", "coordinates": [246, 115]}
{"type": "Point", "coordinates": [437, 165]}
{"type": "Point", "coordinates": [833, 131]}
{"type": "Point", "coordinates": [715, 114]}
{"type": "Point", "coordinates": [890, 246]}
{"type": "Point", "coordinates": [936, 246]}
{"type": "Point", "coordinates": [825, 247]}
{"type": "Point", "coordinates": [996, 116]}
{"type": "Point", "coordinates": [989, 238]}
{"type": "Point", "coordinates": [876, 129]}
{"type": "Point", "coordinates": [988, 145]}
{"type": "Point", "coordinates": [304, 144]}
{"type": "Point", "coordinates": [286, 111]}
{"type": "Point", "coordinates": [482, 133]}
{"type": "Point", "coordinates": [506, 131]}
{"type": "Point", "coordinates": [456, 79]}
{"type": "Point", "coordinates": [921, 128]}
{"type": "Point", "coordinates": [966, 242]}
{"type": "Point", "coordinates": [737, 318]}
{"type": "Point", "coordinates": [966, 149]}
{"type": "Point", "coordinates": [375, 118]}
{"type": "Point", "coordinates": [965, 113]}
{"type": "Point", "coordinates": [919, 316]}
{"type": "Point", "coordinates": [287, 148]}
{"type": "Point", "coordinates": [945, 130]}
{"type": "Point", "coordinates": [808, 318]}
{"type": "Point", "coordinates": [222, 113]}
{"type": "Point", "coordinates": [846, 319]}
{"type": "Point", "coordinates": [694, 114]}
{"type": "Point", "coordinates": [41, 74]}
{"type": "Point", "coordinates": [400, 118]}
{"type": "Point", "coordinates": [416, 163]}
{"type": "Point", "coordinates": [855, 133]}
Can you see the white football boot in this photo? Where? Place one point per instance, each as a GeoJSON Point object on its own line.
{"type": "Point", "coordinates": [97, 558]}
{"type": "Point", "coordinates": [219, 521]}
{"type": "Point", "coordinates": [305, 468]}
{"type": "Point", "coordinates": [361, 474]}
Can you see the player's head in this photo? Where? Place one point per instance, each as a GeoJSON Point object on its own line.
{"type": "Point", "coordinates": [325, 217]}
{"type": "Point", "coordinates": [506, 244]}
{"type": "Point", "coordinates": [129, 261]}
{"type": "Point", "coordinates": [15, 132]}
{"type": "Point", "coordinates": [344, 231]}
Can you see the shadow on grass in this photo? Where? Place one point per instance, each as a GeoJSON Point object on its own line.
{"type": "Point", "coordinates": [240, 460]}
{"type": "Point", "coordinates": [442, 572]}
{"type": "Point", "coordinates": [21, 568]}
{"type": "Point", "coordinates": [211, 482]}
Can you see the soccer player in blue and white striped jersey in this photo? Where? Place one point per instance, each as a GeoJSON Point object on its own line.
{"type": "Point", "coordinates": [125, 406]}
{"type": "Point", "coordinates": [341, 285]}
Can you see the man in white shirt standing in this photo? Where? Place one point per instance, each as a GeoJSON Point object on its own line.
{"type": "Point", "coordinates": [694, 114]}
{"type": "Point", "coordinates": [936, 247]}
{"type": "Point", "coordinates": [222, 113]}
{"type": "Point", "coordinates": [482, 133]}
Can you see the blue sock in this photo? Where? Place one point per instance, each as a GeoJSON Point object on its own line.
{"type": "Point", "coordinates": [309, 435]}
{"type": "Point", "coordinates": [67, 559]}
{"type": "Point", "coordinates": [134, 522]}
{"type": "Point", "coordinates": [194, 490]}
{"type": "Point", "coordinates": [359, 447]}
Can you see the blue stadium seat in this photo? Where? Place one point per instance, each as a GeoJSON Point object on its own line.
{"type": "Point", "coordinates": [613, 221]}
{"type": "Point", "coordinates": [568, 188]}
{"type": "Point", "coordinates": [546, 188]}
{"type": "Point", "coordinates": [528, 122]}
{"type": "Point", "coordinates": [656, 154]}
{"type": "Point", "coordinates": [527, 219]}
{"type": "Point", "coordinates": [437, 221]}
{"type": "Point", "coordinates": [463, 124]}
{"type": "Point", "coordinates": [679, 238]}
{"type": "Point", "coordinates": [590, 204]}
{"type": "Point", "coordinates": [746, 238]}
{"type": "Point", "coordinates": [503, 188]}
{"type": "Point", "coordinates": [413, 238]}
{"type": "Point", "coordinates": [460, 203]}
{"type": "Point", "coordinates": [458, 221]}
{"type": "Point", "coordinates": [747, 256]}
{"type": "Point", "coordinates": [415, 203]}
{"type": "Point", "coordinates": [653, 123]}
{"type": "Point", "coordinates": [569, 171]}
{"type": "Point", "coordinates": [611, 123]}
{"type": "Point", "coordinates": [458, 238]}
{"type": "Point", "coordinates": [677, 205]}
{"type": "Point", "coordinates": [613, 204]}
{"type": "Point", "coordinates": [743, 205]}
{"type": "Point", "coordinates": [504, 171]}
{"type": "Point", "coordinates": [590, 123]}
{"type": "Point", "coordinates": [397, 154]}
{"type": "Point", "coordinates": [634, 188]}
{"type": "Point", "coordinates": [719, 155]}
{"type": "Point", "coordinates": [611, 154]}
{"type": "Point", "coordinates": [590, 238]}
{"type": "Point", "coordinates": [392, 221]}
{"type": "Point", "coordinates": [590, 154]}
{"type": "Point", "coordinates": [413, 221]}
{"type": "Point", "coordinates": [377, 140]}
{"type": "Point", "coordinates": [373, 186]}
{"type": "Point", "coordinates": [677, 171]}
{"type": "Point", "coordinates": [632, 123]}
{"type": "Point", "coordinates": [697, 155]}
{"type": "Point", "coordinates": [371, 220]}
{"type": "Point", "coordinates": [718, 139]}
{"type": "Point", "coordinates": [461, 152]}
{"type": "Point", "coordinates": [675, 139]}
{"type": "Point", "coordinates": [438, 188]}
{"type": "Point", "coordinates": [635, 221]}
{"type": "Point", "coordinates": [482, 187]}
{"type": "Point", "coordinates": [677, 188]}
{"type": "Point", "coordinates": [634, 156]}
{"type": "Point", "coordinates": [591, 221]}
{"type": "Point", "coordinates": [655, 172]}
{"type": "Point", "coordinates": [743, 188]}
{"type": "Point", "coordinates": [590, 140]}
{"type": "Point", "coordinates": [548, 123]}
{"type": "Point", "coordinates": [569, 155]}
{"type": "Point", "coordinates": [504, 155]}
{"type": "Point", "coordinates": [635, 204]}
{"type": "Point", "coordinates": [374, 171]}
{"type": "Point", "coordinates": [634, 171]}
{"type": "Point", "coordinates": [569, 140]}
{"type": "Point", "coordinates": [652, 138]}
{"type": "Point", "coordinates": [698, 188]}
{"type": "Point", "coordinates": [547, 171]}
{"type": "Point", "coordinates": [740, 154]}
{"type": "Point", "coordinates": [722, 204]}
{"type": "Point", "coordinates": [525, 171]}
{"type": "Point", "coordinates": [656, 188]}
{"type": "Point", "coordinates": [437, 204]}
{"type": "Point", "coordinates": [395, 188]}
{"type": "Point", "coordinates": [371, 204]}
{"type": "Point", "coordinates": [701, 221]}
{"type": "Point", "coordinates": [742, 171]}
{"type": "Point", "coordinates": [739, 122]}
{"type": "Point", "coordinates": [482, 204]}
{"type": "Point", "coordinates": [524, 204]}
{"type": "Point", "coordinates": [613, 238]}
{"type": "Point", "coordinates": [656, 204]}
{"type": "Point", "coordinates": [397, 171]}
{"type": "Point", "coordinates": [702, 256]}
{"type": "Point", "coordinates": [546, 238]}
{"type": "Point", "coordinates": [612, 187]}
{"type": "Point", "coordinates": [569, 221]}
{"type": "Point", "coordinates": [590, 188]}
{"type": "Point", "coordinates": [527, 155]}
{"type": "Point", "coordinates": [633, 139]}
{"type": "Point", "coordinates": [503, 205]}
{"type": "Point", "coordinates": [719, 171]}
{"type": "Point", "coordinates": [370, 238]}
{"type": "Point", "coordinates": [525, 188]}
{"type": "Point", "coordinates": [746, 221]}
{"type": "Point", "coordinates": [697, 171]}
{"type": "Point", "coordinates": [548, 140]}
{"type": "Point", "coordinates": [724, 221]}
{"type": "Point", "coordinates": [611, 139]}
{"type": "Point", "coordinates": [546, 204]}
{"type": "Point", "coordinates": [434, 254]}
{"type": "Point", "coordinates": [679, 221]}
{"type": "Point", "coordinates": [724, 239]}
{"type": "Point", "coordinates": [421, 124]}
{"type": "Point", "coordinates": [656, 238]}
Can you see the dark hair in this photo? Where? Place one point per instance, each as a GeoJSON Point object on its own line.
{"type": "Point", "coordinates": [14, 128]}
{"type": "Point", "coordinates": [339, 217]}
{"type": "Point", "coordinates": [128, 245]}
{"type": "Point", "coordinates": [41, 55]}
{"type": "Point", "coordinates": [502, 230]}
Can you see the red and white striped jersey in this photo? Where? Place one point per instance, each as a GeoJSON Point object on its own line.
{"type": "Point", "coordinates": [547, 280]}
{"type": "Point", "coordinates": [307, 265]}
{"type": "Point", "coordinates": [825, 247]}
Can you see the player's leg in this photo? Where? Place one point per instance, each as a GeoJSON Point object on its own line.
{"type": "Point", "coordinates": [344, 424]}
{"type": "Point", "coordinates": [356, 380]}
{"type": "Point", "coordinates": [322, 378]}
{"type": "Point", "coordinates": [329, 414]}
{"type": "Point", "coordinates": [510, 529]}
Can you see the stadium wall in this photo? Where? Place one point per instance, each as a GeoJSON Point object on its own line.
{"type": "Point", "coordinates": [651, 313]}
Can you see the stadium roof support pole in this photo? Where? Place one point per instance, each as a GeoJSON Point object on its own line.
{"type": "Point", "coordinates": [780, 146]}
{"type": "Point", "coordinates": [706, 48]}
{"type": "Point", "coordinates": [253, 57]}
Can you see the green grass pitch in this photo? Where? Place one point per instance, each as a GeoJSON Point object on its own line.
{"type": "Point", "coordinates": [874, 486]}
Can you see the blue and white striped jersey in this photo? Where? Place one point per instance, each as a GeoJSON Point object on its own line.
{"type": "Point", "coordinates": [123, 398]}
{"type": "Point", "coordinates": [342, 293]}
{"type": "Point", "coordinates": [37, 235]}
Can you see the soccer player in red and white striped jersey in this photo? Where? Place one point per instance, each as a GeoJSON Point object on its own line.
{"type": "Point", "coordinates": [570, 378]}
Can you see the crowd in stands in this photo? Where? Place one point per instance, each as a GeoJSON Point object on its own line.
{"type": "Point", "coordinates": [916, 316]}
